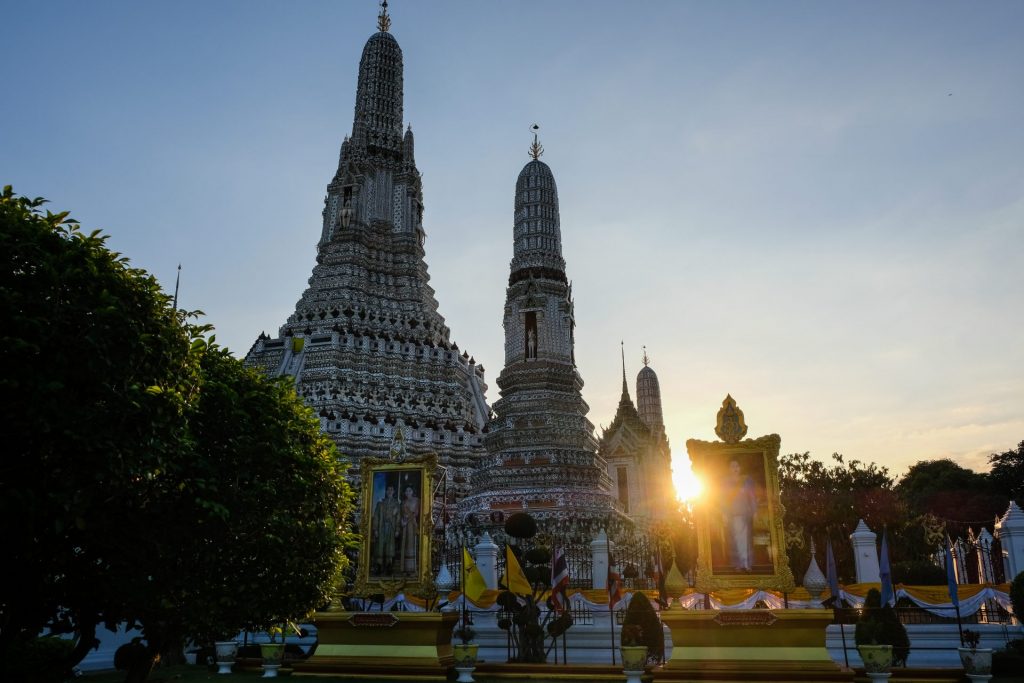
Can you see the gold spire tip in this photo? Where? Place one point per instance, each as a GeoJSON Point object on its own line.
{"type": "Point", "coordinates": [647, 360]}
{"type": "Point", "coordinates": [536, 149]}
{"type": "Point", "coordinates": [383, 20]}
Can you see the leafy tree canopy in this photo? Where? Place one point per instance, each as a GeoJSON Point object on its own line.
{"type": "Point", "coordinates": [1007, 473]}
{"type": "Point", "coordinates": [951, 492]}
{"type": "Point", "coordinates": [150, 478]}
{"type": "Point", "coordinates": [826, 501]}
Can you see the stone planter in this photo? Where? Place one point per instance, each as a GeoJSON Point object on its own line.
{"type": "Point", "coordinates": [977, 662]}
{"type": "Point", "coordinates": [226, 651]}
{"type": "Point", "coordinates": [877, 661]}
{"type": "Point", "coordinates": [634, 660]}
{"type": "Point", "coordinates": [271, 654]}
{"type": "Point", "coordinates": [465, 661]}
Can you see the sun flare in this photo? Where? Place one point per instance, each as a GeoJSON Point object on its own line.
{"type": "Point", "coordinates": [688, 486]}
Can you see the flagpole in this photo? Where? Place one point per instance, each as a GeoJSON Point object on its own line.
{"type": "Point", "coordinates": [463, 577]}
{"type": "Point", "coordinates": [565, 597]}
{"type": "Point", "coordinates": [611, 608]}
{"type": "Point", "coordinates": [951, 582]}
{"type": "Point", "coordinates": [837, 601]}
{"type": "Point", "coordinates": [611, 624]}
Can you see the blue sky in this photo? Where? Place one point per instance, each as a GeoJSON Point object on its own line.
{"type": "Point", "coordinates": [817, 207]}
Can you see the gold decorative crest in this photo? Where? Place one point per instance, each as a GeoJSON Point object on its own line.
{"type": "Point", "coordinates": [729, 424]}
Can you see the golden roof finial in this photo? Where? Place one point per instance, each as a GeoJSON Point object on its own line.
{"type": "Point", "coordinates": [383, 20]}
{"type": "Point", "coordinates": [646, 359]}
{"type": "Point", "coordinates": [536, 149]}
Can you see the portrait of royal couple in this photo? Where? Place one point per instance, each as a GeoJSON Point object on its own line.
{"type": "Point", "coordinates": [395, 523]}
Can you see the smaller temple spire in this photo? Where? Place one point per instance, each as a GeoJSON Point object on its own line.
{"type": "Point", "coordinates": [383, 20]}
{"type": "Point", "coordinates": [625, 387]}
{"type": "Point", "coordinates": [536, 149]}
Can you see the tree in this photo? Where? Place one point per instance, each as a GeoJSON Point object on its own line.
{"type": "Point", "coordinates": [954, 494]}
{"type": "Point", "coordinates": [1007, 473]}
{"type": "Point", "coordinates": [259, 502]}
{"type": "Point", "coordinates": [154, 480]}
{"type": "Point", "coordinates": [97, 372]}
{"type": "Point", "coordinates": [823, 501]}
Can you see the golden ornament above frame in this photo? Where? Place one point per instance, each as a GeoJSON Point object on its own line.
{"type": "Point", "coordinates": [741, 542]}
{"type": "Point", "coordinates": [396, 525]}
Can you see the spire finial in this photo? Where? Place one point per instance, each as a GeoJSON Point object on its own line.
{"type": "Point", "coordinates": [536, 149]}
{"type": "Point", "coordinates": [383, 20]}
{"type": "Point", "coordinates": [622, 348]}
{"type": "Point", "coordinates": [647, 360]}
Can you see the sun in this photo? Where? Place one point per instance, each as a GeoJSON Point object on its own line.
{"type": "Point", "coordinates": [688, 486]}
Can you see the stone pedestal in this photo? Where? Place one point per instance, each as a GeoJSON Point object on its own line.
{"type": "Point", "coordinates": [1010, 532]}
{"type": "Point", "coordinates": [600, 548]}
{"type": "Point", "coordinates": [382, 643]}
{"type": "Point", "coordinates": [486, 552]}
{"type": "Point", "coordinates": [758, 644]}
{"type": "Point", "coordinates": [865, 554]}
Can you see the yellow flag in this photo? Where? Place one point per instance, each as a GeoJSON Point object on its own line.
{"type": "Point", "coordinates": [471, 578]}
{"type": "Point", "coordinates": [515, 579]}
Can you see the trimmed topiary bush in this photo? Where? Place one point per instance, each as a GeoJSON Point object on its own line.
{"type": "Point", "coordinates": [521, 525]}
{"type": "Point", "coordinates": [43, 660]}
{"type": "Point", "coordinates": [1017, 597]}
{"type": "Point", "coordinates": [640, 612]}
{"type": "Point", "coordinates": [881, 626]}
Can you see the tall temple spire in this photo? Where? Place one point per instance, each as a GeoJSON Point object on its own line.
{"type": "Point", "coordinates": [366, 345]}
{"type": "Point", "coordinates": [542, 454]}
{"type": "Point", "coordinates": [625, 387]}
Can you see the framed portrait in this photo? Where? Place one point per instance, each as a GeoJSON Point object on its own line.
{"type": "Point", "coordinates": [396, 525]}
{"type": "Point", "coordinates": [740, 539]}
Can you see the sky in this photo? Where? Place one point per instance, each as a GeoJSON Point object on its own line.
{"type": "Point", "coordinates": [816, 207]}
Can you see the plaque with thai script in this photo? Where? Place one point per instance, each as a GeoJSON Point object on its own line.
{"type": "Point", "coordinates": [745, 618]}
{"type": "Point", "coordinates": [373, 620]}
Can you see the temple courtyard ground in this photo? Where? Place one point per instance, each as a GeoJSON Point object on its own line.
{"type": "Point", "coordinates": [194, 674]}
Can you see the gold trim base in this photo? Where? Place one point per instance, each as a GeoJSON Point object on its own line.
{"type": "Point", "coordinates": [417, 645]}
{"type": "Point", "coordinates": [750, 645]}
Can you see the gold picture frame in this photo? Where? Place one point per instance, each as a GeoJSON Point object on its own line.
{"type": "Point", "coordinates": [396, 525]}
{"type": "Point", "coordinates": [739, 516]}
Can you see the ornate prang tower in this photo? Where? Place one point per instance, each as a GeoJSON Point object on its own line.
{"type": "Point", "coordinates": [637, 452]}
{"type": "Point", "coordinates": [366, 344]}
{"type": "Point", "coordinates": [541, 451]}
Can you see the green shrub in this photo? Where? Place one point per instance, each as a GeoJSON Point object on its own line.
{"type": "Point", "coordinates": [1009, 662]}
{"type": "Point", "coordinates": [880, 625]}
{"type": "Point", "coordinates": [129, 654]}
{"type": "Point", "coordinates": [521, 525]}
{"type": "Point", "coordinates": [641, 613]}
{"type": "Point", "coordinates": [42, 660]}
{"type": "Point", "coordinates": [1017, 597]}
